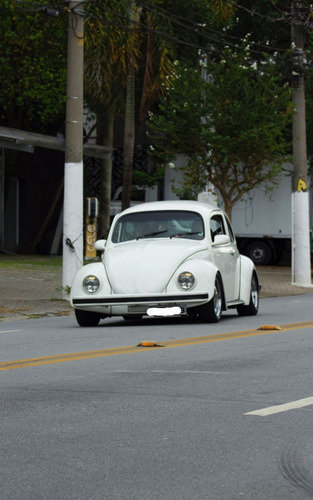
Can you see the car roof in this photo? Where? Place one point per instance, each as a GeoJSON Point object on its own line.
{"type": "Point", "coordinates": [189, 205]}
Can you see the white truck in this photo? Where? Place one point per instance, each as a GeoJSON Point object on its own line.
{"type": "Point", "coordinates": [262, 224]}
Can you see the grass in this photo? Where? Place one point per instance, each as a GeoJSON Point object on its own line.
{"type": "Point", "coordinates": [14, 261]}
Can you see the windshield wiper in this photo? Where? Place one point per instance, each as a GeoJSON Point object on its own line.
{"type": "Point", "coordinates": [151, 234]}
{"type": "Point", "coordinates": [179, 235]}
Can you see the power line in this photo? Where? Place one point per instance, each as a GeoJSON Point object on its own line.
{"type": "Point", "coordinates": [205, 34]}
{"type": "Point", "coordinates": [216, 38]}
{"type": "Point", "coordinates": [255, 13]}
{"type": "Point", "coordinates": [202, 30]}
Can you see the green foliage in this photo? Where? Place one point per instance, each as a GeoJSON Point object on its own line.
{"type": "Point", "coordinates": [146, 179]}
{"type": "Point", "coordinates": [231, 126]}
{"type": "Point", "coordinates": [33, 59]}
{"type": "Point", "coordinates": [223, 10]}
{"type": "Point", "coordinates": [106, 43]}
{"type": "Point", "coordinates": [114, 44]}
{"type": "Point", "coordinates": [189, 25]}
{"type": "Point", "coordinates": [266, 21]}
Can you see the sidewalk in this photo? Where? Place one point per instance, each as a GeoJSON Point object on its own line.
{"type": "Point", "coordinates": [32, 293]}
{"type": "Point", "coordinates": [37, 293]}
{"type": "Point", "coordinates": [276, 281]}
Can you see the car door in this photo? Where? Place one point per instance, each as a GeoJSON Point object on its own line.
{"type": "Point", "coordinates": [226, 256]}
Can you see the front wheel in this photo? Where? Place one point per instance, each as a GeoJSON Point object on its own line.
{"type": "Point", "coordinates": [87, 318]}
{"type": "Point", "coordinates": [253, 307]}
{"type": "Point", "coordinates": [212, 311]}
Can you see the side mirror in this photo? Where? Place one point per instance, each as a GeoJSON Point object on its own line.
{"type": "Point", "coordinates": [100, 245]}
{"type": "Point", "coordinates": [221, 239]}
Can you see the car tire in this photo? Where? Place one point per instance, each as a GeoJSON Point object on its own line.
{"type": "Point", "coordinates": [260, 253]}
{"type": "Point", "coordinates": [253, 307]}
{"type": "Point", "coordinates": [87, 318]}
{"type": "Point", "coordinates": [212, 311]}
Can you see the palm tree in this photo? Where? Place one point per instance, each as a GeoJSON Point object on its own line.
{"type": "Point", "coordinates": [223, 9]}
{"type": "Point", "coordinates": [132, 55]}
{"type": "Point", "coordinates": [104, 81]}
{"type": "Point", "coordinates": [116, 46]}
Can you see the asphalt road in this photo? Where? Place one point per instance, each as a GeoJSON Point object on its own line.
{"type": "Point", "coordinates": [86, 413]}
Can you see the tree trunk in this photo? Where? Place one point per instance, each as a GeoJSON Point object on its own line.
{"type": "Point", "coordinates": [228, 207]}
{"type": "Point", "coordinates": [105, 134]}
{"type": "Point", "coordinates": [129, 140]}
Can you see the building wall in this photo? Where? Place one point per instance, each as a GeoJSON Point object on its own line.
{"type": "Point", "coordinates": [32, 192]}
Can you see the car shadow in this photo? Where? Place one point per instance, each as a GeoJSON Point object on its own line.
{"type": "Point", "coordinates": [151, 321]}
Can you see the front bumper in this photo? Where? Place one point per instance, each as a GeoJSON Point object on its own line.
{"type": "Point", "coordinates": [116, 305]}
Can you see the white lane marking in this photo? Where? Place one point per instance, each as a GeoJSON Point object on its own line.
{"type": "Point", "coordinates": [270, 410]}
{"type": "Point", "coordinates": [10, 331]}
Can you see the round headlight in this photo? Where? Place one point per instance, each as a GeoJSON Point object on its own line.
{"type": "Point", "coordinates": [91, 284]}
{"type": "Point", "coordinates": [186, 281]}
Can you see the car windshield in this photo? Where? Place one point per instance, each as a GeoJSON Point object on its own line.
{"type": "Point", "coordinates": [158, 224]}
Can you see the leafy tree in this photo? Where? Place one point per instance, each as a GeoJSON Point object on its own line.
{"type": "Point", "coordinates": [266, 21]}
{"type": "Point", "coordinates": [230, 126]}
{"type": "Point", "coordinates": [269, 26]}
{"type": "Point", "coordinates": [33, 61]}
{"type": "Point", "coordinates": [33, 77]}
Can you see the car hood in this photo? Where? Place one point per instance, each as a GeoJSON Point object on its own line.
{"type": "Point", "coordinates": [145, 266]}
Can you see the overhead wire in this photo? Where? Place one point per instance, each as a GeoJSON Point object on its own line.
{"type": "Point", "coordinates": [205, 34]}
{"type": "Point", "coordinates": [256, 13]}
{"type": "Point", "coordinates": [215, 38]}
{"type": "Point", "coordinates": [167, 13]}
{"type": "Point", "coordinates": [145, 27]}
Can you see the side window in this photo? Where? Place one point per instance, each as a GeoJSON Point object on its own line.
{"type": "Point", "coordinates": [217, 226]}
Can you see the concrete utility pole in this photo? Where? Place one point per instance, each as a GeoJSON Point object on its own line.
{"type": "Point", "coordinates": [73, 170]}
{"type": "Point", "coordinates": [301, 258]}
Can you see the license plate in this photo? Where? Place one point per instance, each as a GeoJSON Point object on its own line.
{"type": "Point", "coordinates": [166, 311]}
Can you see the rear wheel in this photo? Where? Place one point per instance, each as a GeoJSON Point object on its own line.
{"type": "Point", "coordinates": [253, 307]}
{"type": "Point", "coordinates": [212, 311]}
{"type": "Point", "coordinates": [87, 318]}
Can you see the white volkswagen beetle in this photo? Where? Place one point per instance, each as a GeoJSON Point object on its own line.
{"type": "Point", "coordinates": [167, 258]}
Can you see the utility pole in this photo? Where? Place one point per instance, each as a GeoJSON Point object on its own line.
{"type": "Point", "coordinates": [73, 169]}
{"type": "Point", "coordinates": [301, 258]}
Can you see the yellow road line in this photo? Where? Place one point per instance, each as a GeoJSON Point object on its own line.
{"type": "Point", "coordinates": [76, 356]}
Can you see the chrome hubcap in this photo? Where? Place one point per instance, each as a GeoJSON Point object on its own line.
{"type": "Point", "coordinates": [217, 299]}
{"type": "Point", "coordinates": [254, 293]}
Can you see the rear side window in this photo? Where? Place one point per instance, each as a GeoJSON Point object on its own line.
{"type": "Point", "coordinates": [217, 226]}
